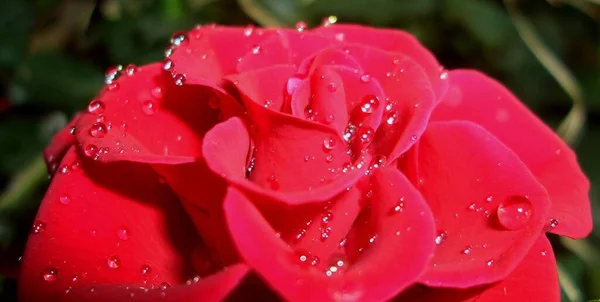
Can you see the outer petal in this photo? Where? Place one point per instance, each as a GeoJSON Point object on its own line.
{"type": "Point", "coordinates": [60, 144]}
{"type": "Point", "coordinates": [534, 279]}
{"type": "Point", "coordinates": [363, 280]}
{"type": "Point", "coordinates": [477, 189]}
{"type": "Point", "coordinates": [480, 99]}
{"type": "Point", "coordinates": [394, 41]}
{"type": "Point", "coordinates": [213, 288]}
{"type": "Point", "coordinates": [103, 224]}
{"type": "Point", "coordinates": [145, 117]}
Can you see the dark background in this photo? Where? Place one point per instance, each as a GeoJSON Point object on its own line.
{"type": "Point", "coordinates": [53, 55]}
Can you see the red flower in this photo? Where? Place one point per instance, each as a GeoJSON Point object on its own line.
{"type": "Point", "coordinates": [340, 163]}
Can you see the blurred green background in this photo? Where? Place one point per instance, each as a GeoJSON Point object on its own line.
{"type": "Point", "coordinates": [53, 54]}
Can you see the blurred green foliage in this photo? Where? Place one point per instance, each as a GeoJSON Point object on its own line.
{"type": "Point", "coordinates": [54, 52]}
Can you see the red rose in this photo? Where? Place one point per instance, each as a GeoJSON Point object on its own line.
{"type": "Point", "coordinates": [338, 163]}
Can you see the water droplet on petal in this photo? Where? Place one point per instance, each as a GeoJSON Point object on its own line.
{"type": "Point", "coordinates": [157, 92]}
{"type": "Point", "coordinates": [444, 74]}
{"type": "Point", "coordinates": [441, 237]}
{"type": "Point", "coordinates": [146, 269]}
{"type": "Point", "coordinates": [349, 132]}
{"type": "Point", "coordinates": [113, 86]}
{"type": "Point", "coordinates": [96, 107]}
{"type": "Point", "coordinates": [329, 158]}
{"type": "Point", "coordinates": [113, 262]}
{"type": "Point", "coordinates": [489, 198]}
{"type": "Point", "coordinates": [336, 264]}
{"type": "Point", "coordinates": [178, 38]}
{"type": "Point", "coordinates": [148, 107]}
{"type": "Point", "coordinates": [273, 183]}
{"type": "Point", "coordinates": [38, 227]}
{"type": "Point", "coordinates": [167, 64]}
{"type": "Point", "coordinates": [164, 285]}
{"type": "Point", "coordinates": [467, 250]}
{"type": "Point", "coordinates": [98, 130]}
{"type": "Point", "coordinates": [248, 30]}
{"type": "Point", "coordinates": [544, 252]}
{"type": "Point", "coordinates": [490, 262]}
{"type": "Point", "coordinates": [256, 49]}
{"type": "Point", "coordinates": [301, 26]}
{"type": "Point", "coordinates": [130, 69]}
{"type": "Point", "coordinates": [515, 212]}
{"type": "Point", "coordinates": [50, 274]}
{"type": "Point", "coordinates": [329, 143]}
{"type": "Point", "coordinates": [369, 103]}
{"type": "Point", "coordinates": [123, 233]}
{"type": "Point", "coordinates": [328, 21]}
{"type": "Point", "coordinates": [332, 87]}
{"type": "Point", "coordinates": [392, 117]}
{"type": "Point", "coordinates": [365, 78]}
{"type": "Point", "coordinates": [179, 79]}
{"type": "Point", "coordinates": [366, 134]}
{"type": "Point", "coordinates": [64, 199]}
{"type": "Point", "coordinates": [90, 150]}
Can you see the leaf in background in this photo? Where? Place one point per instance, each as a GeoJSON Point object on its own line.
{"type": "Point", "coordinates": [56, 81]}
{"type": "Point", "coordinates": [486, 20]}
{"type": "Point", "coordinates": [16, 21]}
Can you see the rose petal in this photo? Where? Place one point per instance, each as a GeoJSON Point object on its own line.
{"type": "Point", "coordinates": [226, 147]}
{"type": "Point", "coordinates": [104, 223]}
{"type": "Point", "coordinates": [480, 99]}
{"type": "Point", "coordinates": [365, 280]}
{"type": "Point", "coordinates": [146, 118]}
{"type": "Point", "coordinates": [488, 206]}
{"type": "Point", "coordinates": [265, 87]}
{"type": "Point", "coordinates": [534, 279]}
{"type": "Point", "coordinates": [285, 47]}
{"type": "Point", "coordinates": [213, 288]}
{"type": "Point", "coordinates": [60, 144]}
{"type": "Point", "coordinates": [410, 98]}
{"type": "Point", "coordinates": [391, 40]}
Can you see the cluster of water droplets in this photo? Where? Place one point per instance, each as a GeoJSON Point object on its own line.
{"type": "Point", "coordinates": [178, 39]}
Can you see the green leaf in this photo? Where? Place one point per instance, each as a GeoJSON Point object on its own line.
{"type": "Point", "coordinates": [486, 21]}
{"type": "Point", "coordinates": [57, 81]}
{"type": "Point", "coordinates": [16, 21]}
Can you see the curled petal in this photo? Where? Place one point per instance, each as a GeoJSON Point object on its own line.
{"type": "Point", "coordinates": [480, 99]}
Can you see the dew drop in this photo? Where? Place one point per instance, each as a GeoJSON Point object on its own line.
{"type": "Point", "coordinates": [369, 103]}
{"type": "Point", "coordinates": [349, 132]}
{"type": "Point", "coordinates": [256, 49]}
{"type": "Point", "coordinates": [50, 274]}
{"type": "Point", "coordinates": [441, 237]}
{"type": "Point", "coordinates": [329, 119]}
{"type": "Point", "coordinates": [329, 143]}
{"type": "Point", "coordinates": [553, 223]}
{"type": "Point", "coordinates": [301, 26]}
{"type": "Point", "coordinates": [157, 92]}
{"type": "Point", "coordinates": [336, 264]}
{"type": "Point", "coordinates": [167, 64]}
{"type": "Point", "coordinates": [96, 107]}
{"type": "Point", "coordinates": [489, 198]}
{"type": "Point", "coordinates": [179, 79]}
{"type": "Point", "coordinates": [130, 69]}
{"type": "Point", "coordinates": [113, 262]}
{"type": "Point", "coordinates": [413, 137]}
{"type": "Point", "coordinates": [332, 87]}
{"type": "Point", "coordinates": [90, 150]}
{"type": "Point", "coordinates": [392, 117]}
{"type": "Point", "coordinates": [490, 262]}
{"type": "Point", "coordinates": [365, 78]}
{"type": "Point", "coordinates": [544, 252]}
{"type": "Point", "coordinates": [273, 183]}
{"type": "Point", "coordinates": [328, 21]}
{"type": "Point", "coordinates": [467, 250]}
{"type": "Point", "coordinates": [329, 158]}
{"type": "Point", "coordinates": [113, 86]}
{"type": "Point", "coordinates": [164, 285]}
{"type": "Point", "coordinates": [248, 30]}
{"type": "Point", "coordinates": [146, 269]}
{"type": "Point", "coordinates": [98, 130]}
{"type": "Point", "coordinates": [178, 38]}
{"type": "Point", "coordinates": [66, 169]}
{"type": "Point", "coordinates": [399, 207]}
{"type": "Point", "coordinates": [123, 233]}
{"type": "Point", "coordinates": [379, 161]}
{"type": "Point", "coordinates": [38, 227]}
{"type": "Point", "coordinates": [515, 212]}
{"type": "Point", "coordinates": [64, 199]}
{"type": "Point", "coordinates": [148, 107]}
{"type": "Point", "coordinates": [366, 134]}
{"type": "Point", "coordinates": [112, 74]}
{"type": "Point", "coordinates": [444, 74]}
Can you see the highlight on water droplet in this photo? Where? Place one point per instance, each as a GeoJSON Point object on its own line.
{"type": "Point", "coordinates": [178, 38]}
{"type": "Point", "coordinates": [441, 237]}
{"type": "Point", "coordinates": [64, 199]}
{"type": "Point", "coordinates": [38, 227]}
{"type": "Point", "coordinates": [50, 274]}
{"type": "Point", "coordinates": [328, 21]}
{"type": "Point", "coordinates": [98, 130]}
{"type": "Point", "coordinates": [113, 262]}
{"type": "Point", "coordinates": [366, 134]}
{"type": "Point", "coordinates": [337, 263]}
{"type": "Point", "coordinates": [123, 233]}
{"type": "Point", "coordinates": [148, 107]}
{"type": "Point", "coordinates": [365, 78]}
{"type": "Point", "coordinates": [301, 26]}
{"type": "Point", "coordinates": [329, 143]}
{"type": "Point", "coordinates": [179, 79]}
{"type": "Point", "coordinates": [369, 103]}
{"type": "Point", "coordinates": [90, 150]}
{"type": "Point", "coordinates": [146, 269]}
{"type": "Point", "coordinates": [467, 250]}
{"type": "Point", "coordinates": [514, 212]}
{"type": "Point", "coordinates": [96, 107]}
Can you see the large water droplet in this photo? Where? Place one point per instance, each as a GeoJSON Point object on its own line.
{"type": "Point", "coordinates": [112, 74]}
{"type": "Point", "coordinates": [90, 150]}
{"type": "Point", "coordinates": [38, 227]}
{"type": "Point", "coordinates": [329, 143]}
{"type": "Point", "coordinates": [515, 212]}
{"type": "Point", "coordinates": [50, 274]}
{"type": "Point", "coordinates": [96, 107]}
{"type": "Point", "coordinates": [113, 262]}
{"type": "Point", "coordinates": [98, 130]}
{"type": "Point", "coordinates": [369, 103]}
